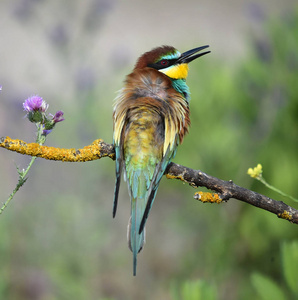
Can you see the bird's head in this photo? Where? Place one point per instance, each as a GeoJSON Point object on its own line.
{"type": "Point", "coordinates": [168, 60]}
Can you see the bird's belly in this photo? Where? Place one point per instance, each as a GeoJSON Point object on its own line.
{"type": "Point", "coordinates": [144, 139]}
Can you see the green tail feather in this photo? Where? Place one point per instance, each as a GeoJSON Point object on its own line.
{"type": "Point", "coordinates": [135, 240]}
{"type": "Point", "coordinates": [143, 184]}
{"type": "Point", "coordinates": [138, 188]}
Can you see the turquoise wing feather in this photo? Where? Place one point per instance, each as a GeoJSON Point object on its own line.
{"type": "Point", "coordinates": [119, 163]}
{"type": "Point", "coordinates": [158, 173]}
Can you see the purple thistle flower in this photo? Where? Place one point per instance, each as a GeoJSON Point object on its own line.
{"type": "Point", "coordinates": [36, 109]}
{"type": "Point", "coordinates": [35, 103]}
{"type": "Point", "coordinates": [46, 131]}
{"type": "Point", "coordinates": [49, 124]}
{"type": "Point", "coordinates": [58, 116]}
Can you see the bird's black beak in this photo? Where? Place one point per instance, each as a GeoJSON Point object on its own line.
{"type": "Point", "coordinates": [189, 56]}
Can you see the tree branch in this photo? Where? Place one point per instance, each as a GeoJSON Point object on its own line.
{"type": "Point", "coordinates": [96, 150]}
{"type": "Point", "coordinates": [225, 190]}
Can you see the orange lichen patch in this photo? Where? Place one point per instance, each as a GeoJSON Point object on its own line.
{"type": "Point", "coordinates": [207, 197]}
{"type": "Point", "coordinates": [14, 145]}
{"type": "Point", "coordinates": [285, 215]}
{"type": "Point", "coordinates": [170, 176]}
{"type": "Point", "coordinates": [88, 153]}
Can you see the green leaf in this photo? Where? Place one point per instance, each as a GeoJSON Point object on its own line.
{"type": "Point", "coordinates": [267, 288]}
{"type": "Point", "coordinates": [195, 290]}
{"type": "Point", "coordinates": [290, 264]}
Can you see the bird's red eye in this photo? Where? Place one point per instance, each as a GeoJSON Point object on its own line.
{"type": "Point", "coordinates": [164, 62]}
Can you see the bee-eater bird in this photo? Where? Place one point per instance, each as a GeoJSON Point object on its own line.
{"type": "Point", "coordinates": [151, 117]}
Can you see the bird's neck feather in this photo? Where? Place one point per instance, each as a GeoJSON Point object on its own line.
{"type": "Point", "coordinates": [181, 87]}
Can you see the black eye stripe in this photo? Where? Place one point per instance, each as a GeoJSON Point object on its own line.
{"type": "Point", "coordinates": [162, 64]}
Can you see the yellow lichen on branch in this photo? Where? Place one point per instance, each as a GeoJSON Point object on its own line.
{"type": "Point", "coordinates": [88, 153]}
{"type": "Point", "coordinates": [285, 215]}
{"type": "Point", "coordinates": [208, 197]}
{"type": "Point", "coordinates": [170, 176]}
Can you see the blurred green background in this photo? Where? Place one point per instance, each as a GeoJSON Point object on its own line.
{"type": "Point", "coordinates": [57, 237]}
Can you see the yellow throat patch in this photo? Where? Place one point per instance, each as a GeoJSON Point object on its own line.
{"type": "Point", "coordinates": [177, 71]}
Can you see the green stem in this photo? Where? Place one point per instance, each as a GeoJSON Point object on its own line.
{"type": "Point", "coordinates": [40, 139]}
{"type": "Point", "coordinates": [260, 178]}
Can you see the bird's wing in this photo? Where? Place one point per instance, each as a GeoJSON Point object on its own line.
{"type": "Point", "coordinates": [169, 152]}
{"type": "Point", "coordinates": [119, 122]}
